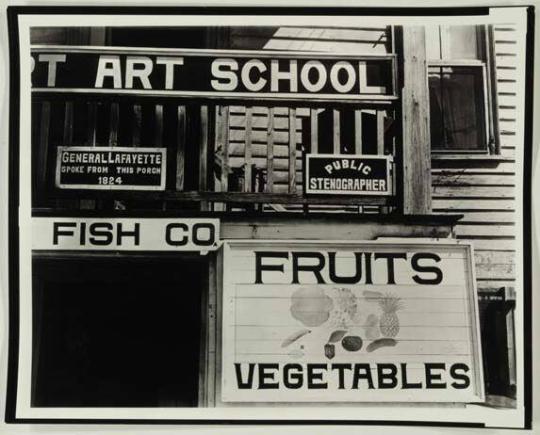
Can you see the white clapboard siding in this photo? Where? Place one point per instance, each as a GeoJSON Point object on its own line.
{"type": "Point", "coordinates": [486, 195]}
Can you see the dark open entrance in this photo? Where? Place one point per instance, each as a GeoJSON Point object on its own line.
{"type": "Point", "coordinates": [116, 332]}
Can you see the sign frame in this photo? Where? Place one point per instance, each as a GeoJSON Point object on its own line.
{"type": "Point", "coordinates": [108, 187]}
{"type": "Point", "coordinates": [473, 315]}
{"type": "Point", "coordinates": [389, 171]}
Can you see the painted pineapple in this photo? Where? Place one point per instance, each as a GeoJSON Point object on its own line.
{"type": "Point", "coordinates": [389, 321]}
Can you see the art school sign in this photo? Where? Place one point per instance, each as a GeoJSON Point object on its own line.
{"type": "Point", "coordinates": [269, 75]}
{"type": "Point", "coordinates": [350, 322]}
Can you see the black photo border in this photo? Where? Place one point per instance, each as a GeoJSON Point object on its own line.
{"type": "Point", "coordinates": [13, 13]}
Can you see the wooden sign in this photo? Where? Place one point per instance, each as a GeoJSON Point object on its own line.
{"type": "Point", "coordinates": [240, 74]}
{"type": "Point", "coordinates": [338, 174]}
{"type": "Point", "coordinates": [125, 234]}
{"type": "Point", "coordinates": [374, 321]}
{"type": "Point", "coordinates": [111, 168]}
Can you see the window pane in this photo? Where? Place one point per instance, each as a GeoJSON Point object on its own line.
{"type": "Point", "coordinates": [457, 108]}
{"type": "Point", "coordinates": [463, 42]}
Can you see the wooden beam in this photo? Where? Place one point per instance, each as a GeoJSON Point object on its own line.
{"type": "Point", "coordinates": [415, 127]}
{"type": "Point", "coordinates": [292, 150]}
{"type": "Point", "coordinates": [380, 132]}
{"type": "Point", "coordinates": [336, 131]}
{"type": "Point", "coordinates": [270, 152]}
{"type": "Point", "coordinates": [357, 131]}
{"type": "Point", "coordinates": [180, 147]}
{"type": "Point", "coordinates": [314, 129]}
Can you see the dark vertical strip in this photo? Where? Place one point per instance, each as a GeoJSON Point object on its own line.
{"type": "Point", "coordinates": [248, 176]}
{"type": "Point", "coordinates": [203, 155]}
{"type": "Point", "coordinates": [113, 125]}
{"type": "Point", "coordinates": [527, 236]}
{"type": "Point", "coordinates": [292, 150]}
{"type": "Point", "coordinates": [270, 151]}
{"type": "Point", "coordinates": [137, 123]}
{"type": "Point", "coordinates": [224, 142]}
{"type": "Point", "coordinates": [44, 134]}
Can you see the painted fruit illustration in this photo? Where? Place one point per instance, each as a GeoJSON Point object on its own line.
{"type": "Point", "coordinates": [389, 321]}
{"type": "Point", "coordinates": [352, 343]}
{"type": "Point", "coordinates": [311, 306]}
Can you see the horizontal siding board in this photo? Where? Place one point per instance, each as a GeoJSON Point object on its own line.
{"type": "Point", "coordinates": [488, 217]}
{"type": "Point", "coordinates": [459, 179]}
{"type": "Point", "coordinates": [278, 111]}
{"type": "Point", "coordinates": [280, 164]}
{"type": "Point", "coordinates": [506, 74]}
{"type": "Point", "coordinates": [454, 204]}
{"type": "Point", "coordinates": [261, 136]}
{"type": "Point", "coordinates": [506, 244]}
{"type": "Point", "coordinates": [261, 121]}
{"type": "Point", "coordinates": [280, 151]}
{"type": "Point", "coordinates": [485, 230]}
{"type": "Point", "coordinates": [473, 192]}
{"type": "Point", "coordinates": [495, 265]}
{"type": "Point", "coordinates": [479, 168]}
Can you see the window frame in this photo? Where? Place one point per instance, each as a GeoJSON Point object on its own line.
{"type": "Point", "coordinates": [485, 50]}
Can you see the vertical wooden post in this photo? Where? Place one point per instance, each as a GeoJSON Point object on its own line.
{"type": "Point", "coordinates": [314, 128]}
{"type": "Point", "coordinates": [415, 110]}
{"type": "Point", "coordinates": [336, 131]}
{"type": "Point", "coordinates": [357, 131]}
{"type": "Point", "coordinates": [380, 132]}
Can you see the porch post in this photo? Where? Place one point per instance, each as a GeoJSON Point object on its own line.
{"type": "Point", "coordinates": [415, 117]}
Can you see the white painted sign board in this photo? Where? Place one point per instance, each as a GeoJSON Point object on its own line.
{"type": "Point", "coordinates": [377, 321]}
{"type": "Point", "coordinates": [125, 234]}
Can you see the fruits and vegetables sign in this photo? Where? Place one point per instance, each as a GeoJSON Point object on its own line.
{"type": "Point", "coordinates": [350, 321]}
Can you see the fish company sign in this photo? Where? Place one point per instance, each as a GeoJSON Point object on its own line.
{"type": "Point", "coordinates": [388, 321]}
{"type": "Point", "coordinates": [212, 73]}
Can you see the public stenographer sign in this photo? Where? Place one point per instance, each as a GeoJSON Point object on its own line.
{"type": "Point", "coordinates": [334, 174]}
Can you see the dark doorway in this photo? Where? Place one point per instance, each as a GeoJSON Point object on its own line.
{"type": "Point", "coordinates": [116, 332]}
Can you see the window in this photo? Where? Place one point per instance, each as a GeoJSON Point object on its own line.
{"type": "Point", "coordinates": [461, 115]}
